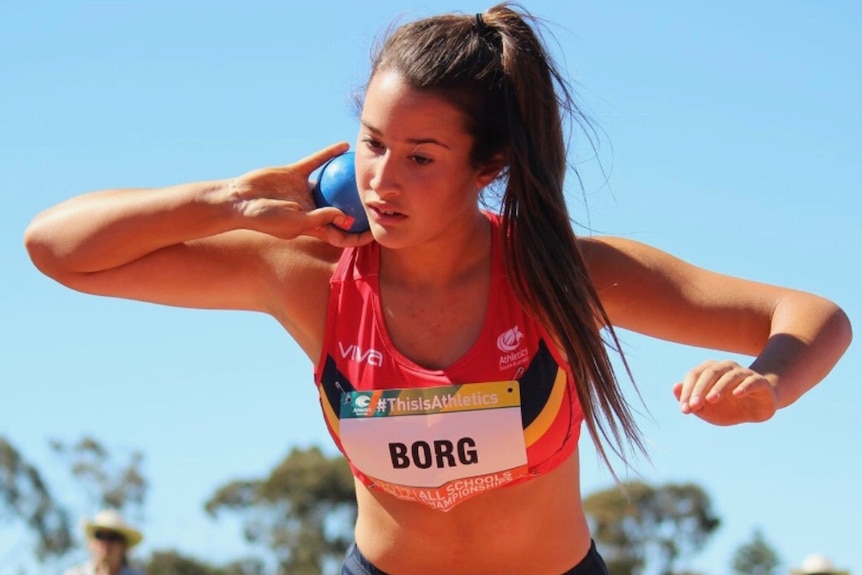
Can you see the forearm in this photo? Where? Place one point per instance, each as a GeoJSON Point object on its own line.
{"type": "Point", "coordinates": [808, 335]}
{"type": "Point", "coordinates": [102, 230]}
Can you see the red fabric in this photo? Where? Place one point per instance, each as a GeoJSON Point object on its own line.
{"type": "Point", "coordinates": [358, 355]}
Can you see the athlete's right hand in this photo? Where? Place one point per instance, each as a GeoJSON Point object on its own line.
{"type": "Point", "coordinates": [278, 201]}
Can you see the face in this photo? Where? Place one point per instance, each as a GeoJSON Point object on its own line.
{"type": "Point", "coordinates": [108, 546]}
{"type": "Point", "coordinates": [413, 164]}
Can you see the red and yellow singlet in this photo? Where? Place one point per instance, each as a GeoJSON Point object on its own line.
{"type": "Point", "coordinates": [505, 411]}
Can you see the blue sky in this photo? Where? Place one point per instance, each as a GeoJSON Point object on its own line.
{"type": "Point", "coordinates": [729, 136]}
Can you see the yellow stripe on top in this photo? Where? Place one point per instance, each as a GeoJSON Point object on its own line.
{"type": "Point", "coordinates": [328, 412]}
{"type": "Point", "coordinates": [545, 419]}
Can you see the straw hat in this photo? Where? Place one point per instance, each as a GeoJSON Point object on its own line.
{"type": "Point", "coordinates": [111, 520]}
{"type": "Point", "coordinates": [818, 565]}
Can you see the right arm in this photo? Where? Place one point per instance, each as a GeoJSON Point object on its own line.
{"type": "Point", "coordinates": [229, 244]}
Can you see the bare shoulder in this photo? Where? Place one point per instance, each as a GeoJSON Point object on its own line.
{"type": "Point", "coordinates": [237, 270]}
{"type": "Point", "coordinates": [297, 280]}
{"type": "Point", "coordinates": [629, 267]}
{"type": "Point", "coordinates": [614, 261]}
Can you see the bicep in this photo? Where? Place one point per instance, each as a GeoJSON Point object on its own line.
{"type": "Point", "coordinates": [649, 291]}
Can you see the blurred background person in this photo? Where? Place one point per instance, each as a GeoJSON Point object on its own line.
{"type": "Point", "coordinates": [109, 539]}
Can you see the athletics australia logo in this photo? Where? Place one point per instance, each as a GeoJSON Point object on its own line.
{"type": "Point", "coordinates": [508, 342]}
{"type": "Point", "coordinates": [361, 404]}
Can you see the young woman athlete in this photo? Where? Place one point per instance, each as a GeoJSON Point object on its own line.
{"type": "Point", "coordinates": [457, 350]}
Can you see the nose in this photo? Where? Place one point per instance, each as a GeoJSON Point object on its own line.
{"type": "Point", "coordinates": [384, 176]}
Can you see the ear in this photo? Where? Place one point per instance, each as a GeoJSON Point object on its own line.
{"type": "Point", "coordinates": [490, 170]}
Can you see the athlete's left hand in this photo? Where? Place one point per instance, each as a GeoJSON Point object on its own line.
{"type": "Point", "coordinates": [726, 393]}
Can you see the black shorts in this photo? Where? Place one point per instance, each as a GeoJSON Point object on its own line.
{"type": "Point", "coordinates": [356, 564]}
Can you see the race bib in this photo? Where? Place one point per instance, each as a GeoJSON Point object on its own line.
{"type": "Point", "coordinates": [436, 445]}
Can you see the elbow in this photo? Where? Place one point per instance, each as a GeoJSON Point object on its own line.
{"type": "Point", "coordinates": [37, 245]}
{"type": "Point", "coordinates": [43, 248]}
{"type": "Point", "coordinates": [826, 322]}
{"type": "Point", "coordinates": [843, 328]}
{"type": "Point", "coordinates": [835, 330]}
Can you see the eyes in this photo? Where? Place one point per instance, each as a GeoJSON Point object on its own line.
{"type": "Point", "coordinates": [377, 147]}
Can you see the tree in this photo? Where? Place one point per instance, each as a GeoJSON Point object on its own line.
{"type": "Point", "coordinates": [302, 513]}
{"type": "Point", "coordinates": [635, 522]}
{"type": "Point", "coordinates": [24, 495]}
{"type": "Point", "coordinates": [173, 563]}
{"type": "Point", "coordinates": [756, 557]}
{"type": "Point", "coordinates": [106, 482]}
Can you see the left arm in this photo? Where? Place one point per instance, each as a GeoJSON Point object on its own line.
{"type": "Point", "coordinates": [796, 337]}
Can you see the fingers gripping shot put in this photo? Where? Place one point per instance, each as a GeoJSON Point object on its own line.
{"type": "Point", "coordinates": [458, 350]}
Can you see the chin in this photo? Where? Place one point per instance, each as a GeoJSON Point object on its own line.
{"type": "Point", "coordinates": [387, 238]}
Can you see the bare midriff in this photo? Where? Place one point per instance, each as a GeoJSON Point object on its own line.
{"type": "Point", "coordinates": [536, 527]}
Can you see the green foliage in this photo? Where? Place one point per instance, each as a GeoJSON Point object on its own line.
{"type": "Point", "coordinates": [301, 515]}
{"type": "Point", "coordinates": [173, 563]}
{"type": "Point", "coordinates": [635, 522]}
{"type": "Point", "coordinates": [303, 512]}
{"type": "Point", "coordinates": [25, 496]}
{"type": "Point", "coordinates": [756, 557]}
{"type": "Point", "coordinates": [107, 483]}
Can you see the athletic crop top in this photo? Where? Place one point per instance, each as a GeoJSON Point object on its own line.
{"type": "Point", "coordinates": [504, 412]}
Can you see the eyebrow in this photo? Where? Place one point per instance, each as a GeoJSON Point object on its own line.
{"type": "Point", "coordinates": [415, 141]}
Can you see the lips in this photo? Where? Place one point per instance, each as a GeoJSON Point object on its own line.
{"type": "Point", "coordinates": [385, 214]}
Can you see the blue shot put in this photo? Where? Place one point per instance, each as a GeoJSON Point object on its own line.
{"type": "Point", "coordinates": [336, 187]}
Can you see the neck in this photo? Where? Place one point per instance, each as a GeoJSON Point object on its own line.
{"type": "Point", "coordinates": [440, 262]}
{"type": "Point", "coordinates": [108, 567]}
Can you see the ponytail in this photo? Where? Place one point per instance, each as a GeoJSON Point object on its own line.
{"type": "Point", "coordinates": [495, 68]}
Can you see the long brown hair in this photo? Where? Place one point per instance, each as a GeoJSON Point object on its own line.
{"type": "Point", "coordinates": [495, 68]}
